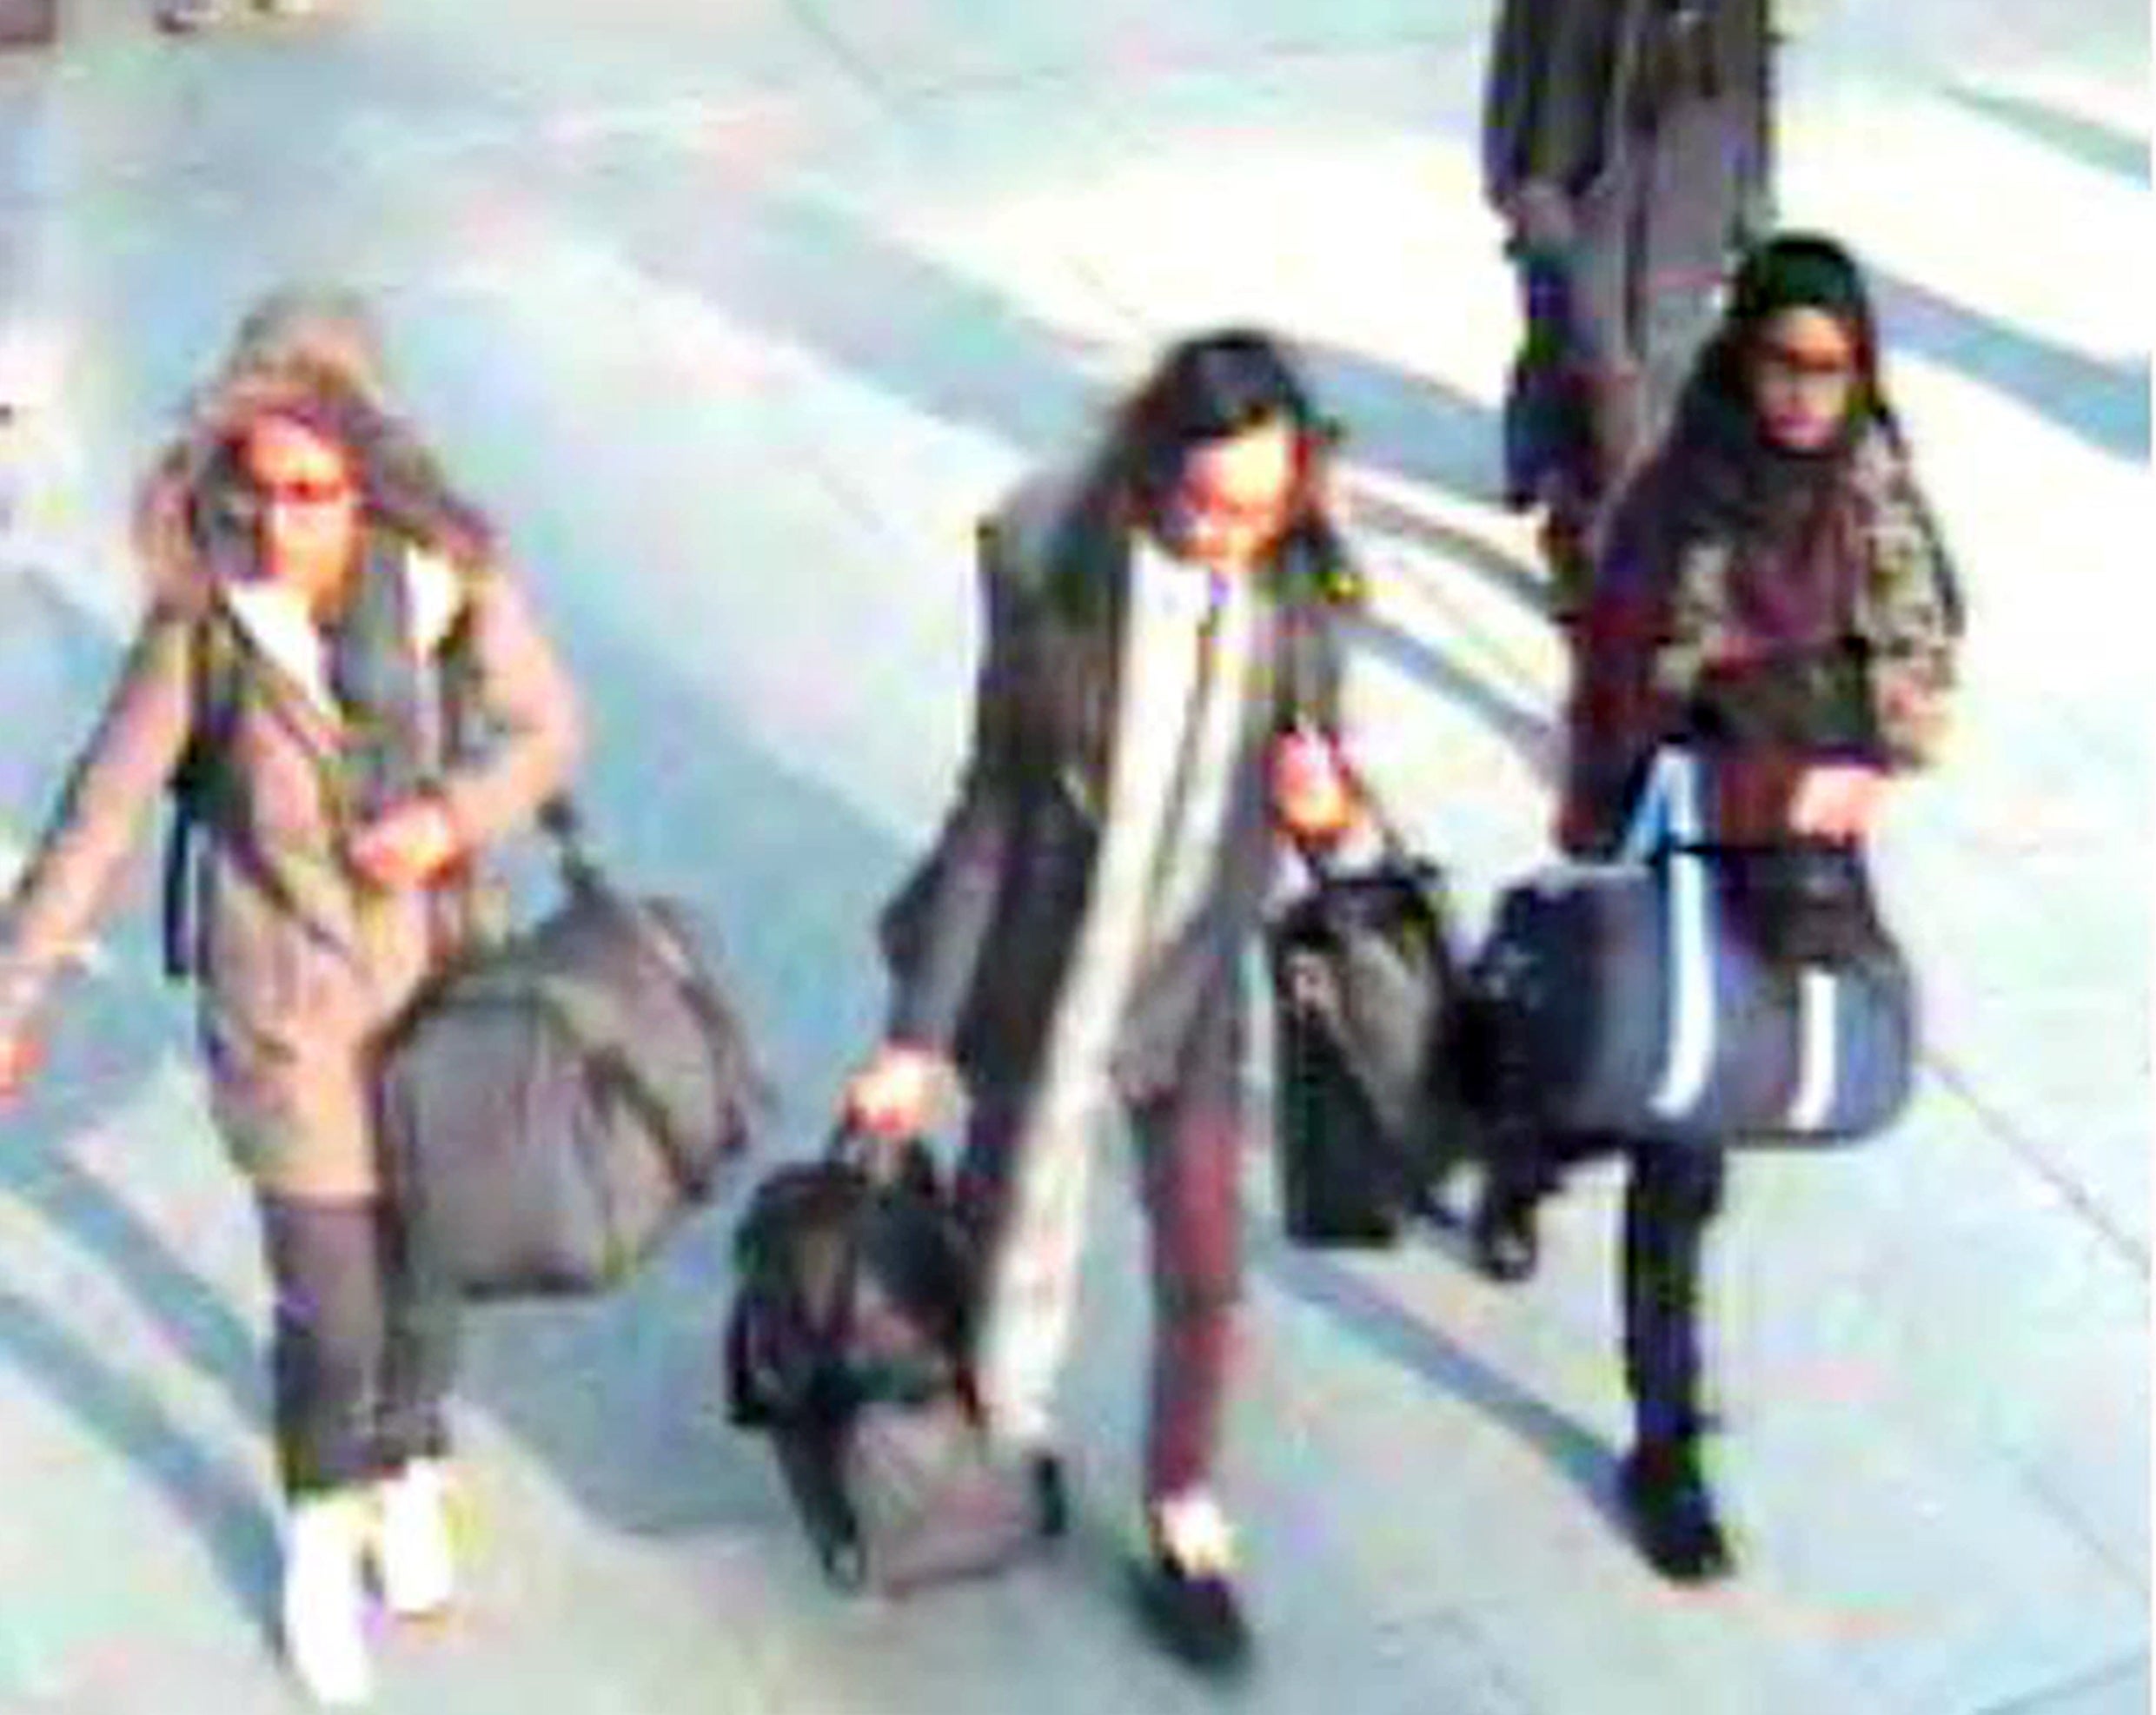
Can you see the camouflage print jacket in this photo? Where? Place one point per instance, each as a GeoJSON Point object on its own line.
{"type": "Point", "coordinates": [1663, 654]}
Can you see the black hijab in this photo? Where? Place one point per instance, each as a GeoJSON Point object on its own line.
{"type": "Point", "coordinates": [1778, 510]}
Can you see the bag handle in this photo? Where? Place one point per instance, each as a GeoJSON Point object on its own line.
{"type": "Point", "coordinates": [1667, 824]}
{"type": "Point", "coordinates": [848, 1144]}
{"type": "Point", "coordinates": [1318, 860]}
{"type": "Point", "coordinates": [1666, 816]}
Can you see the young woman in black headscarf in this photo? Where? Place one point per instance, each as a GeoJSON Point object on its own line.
{"type": "Point", "coordinates": [1773, 594]}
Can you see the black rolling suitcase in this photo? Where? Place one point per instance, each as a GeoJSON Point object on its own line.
{"type": "Point", "coordinates": [847, 1345]}
{"type": "Point", "coordinates": [1363, 981]}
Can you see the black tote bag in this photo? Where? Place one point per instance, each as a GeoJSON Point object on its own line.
{"type": "Point", "coordinates": [1363, 981]}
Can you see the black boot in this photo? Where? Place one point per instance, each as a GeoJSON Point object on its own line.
{"type": "Point", "coordinates": [1671, 1196]}
{"type": "Point", "coordinates": [1670, 1512]}
{"type": "Point", "coordinates": [1522, 1165]}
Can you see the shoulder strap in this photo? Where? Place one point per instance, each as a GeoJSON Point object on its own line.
{"type": "Point", "coordinates": [214, 702]}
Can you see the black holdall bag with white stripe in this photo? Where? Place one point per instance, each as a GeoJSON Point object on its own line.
{"type": "Point", "coordinates": [1698, 994]}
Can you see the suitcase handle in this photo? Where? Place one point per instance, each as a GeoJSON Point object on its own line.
{"type": "Point", "coordinates": [878, 1159]}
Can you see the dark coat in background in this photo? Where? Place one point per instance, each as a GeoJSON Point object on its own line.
{"type": "Point", "coordinates": [1627, 144]}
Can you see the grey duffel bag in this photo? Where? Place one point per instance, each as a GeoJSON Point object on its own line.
{"type": "Point", "coordinates": [554, 1105]}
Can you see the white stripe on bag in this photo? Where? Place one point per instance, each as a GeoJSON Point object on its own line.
{"type": "Point", "coordinates": [1816, 1068]}
{"type": "Point", "coordinates": [1675, 784]}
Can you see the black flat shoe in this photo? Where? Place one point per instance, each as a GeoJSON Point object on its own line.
{"type": "Point", "coordinates": [1670, 1513]}
{"type": "Point", "coordinates": [1051, 1498]}
{"type": "Point", "coordinates": [1196, 1616]}
{"type": "Point", "coordinates": [1505, 1242]}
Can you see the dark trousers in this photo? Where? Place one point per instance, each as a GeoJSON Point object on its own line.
{"type": "Point", "coordinates": [1615, 320]}
{"type": "Point", "coordinates": [360, 1358]}
{"type": "Point", "coordinates": [1672, 1194]}
{"type": "Point", "coordinates": [1189, 1140]}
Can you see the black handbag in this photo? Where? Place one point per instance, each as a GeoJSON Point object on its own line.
{"type": "Point", "coordinates": [1805, 903]}
{"type": "Point", "coordinates": [849, 1345]}
{"type": "Point", "coordinates": [1363, 980]}
{"type": "Point", "coordinates": [555, 1104]}
{"type": "Point", "coordinates": [1695, 993]}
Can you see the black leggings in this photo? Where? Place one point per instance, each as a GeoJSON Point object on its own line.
{"type": "Point", "coordinates": [359, 1358]}
{"type": "Point", "coordinates": [1672, 1194]}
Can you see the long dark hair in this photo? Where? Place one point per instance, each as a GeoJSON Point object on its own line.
{"type": "Point", "coordinates": [1207, 389]}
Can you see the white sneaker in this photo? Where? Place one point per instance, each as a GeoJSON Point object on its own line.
{"type": "Point", "coordinates": [323, 1609]}
{"type": "Point", "coordinates": [414, 1556]}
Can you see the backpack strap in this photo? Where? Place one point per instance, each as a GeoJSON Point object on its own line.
{"type": "Point", "coordinates": [214, 701]}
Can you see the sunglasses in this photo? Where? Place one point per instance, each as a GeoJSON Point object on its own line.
{"type": "Point", "coordinates": [302, 493]}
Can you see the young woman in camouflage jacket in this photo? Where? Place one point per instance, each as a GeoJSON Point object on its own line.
{"type": "Point", "coordinates": [1773, 595]}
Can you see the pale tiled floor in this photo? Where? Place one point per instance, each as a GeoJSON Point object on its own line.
{"type": "Point", "coordinates": [737, 313]}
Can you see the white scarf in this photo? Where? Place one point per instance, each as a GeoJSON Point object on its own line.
{"type": "Point", "coordinates": [1143, 891]}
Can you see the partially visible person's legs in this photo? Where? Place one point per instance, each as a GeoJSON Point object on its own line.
{"type": "Point", "coordinates": [1603, 437]}
{"type": "Point", "coordinates": [1671, 1196]}
{"type": "Point", "coordinates": [419, 1350]}
{"type": "Point", "coordinates": [1525, 1164]}
{"type": "Point", "coordinates": [1191, 1160]}
{"type": "Point", "coordinates": [1692, 198]}
{"type": "Point", "coordinates": [329, 1337]}
{"type": "Point", "coordinates": [1542, 420]}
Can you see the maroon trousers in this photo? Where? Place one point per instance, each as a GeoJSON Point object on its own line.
{"type": "Point", "coordinates": [1189, 1139]}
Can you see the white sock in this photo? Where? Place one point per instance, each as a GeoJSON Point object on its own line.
{"type": "Point", "coordinates": [1195, 1532]}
